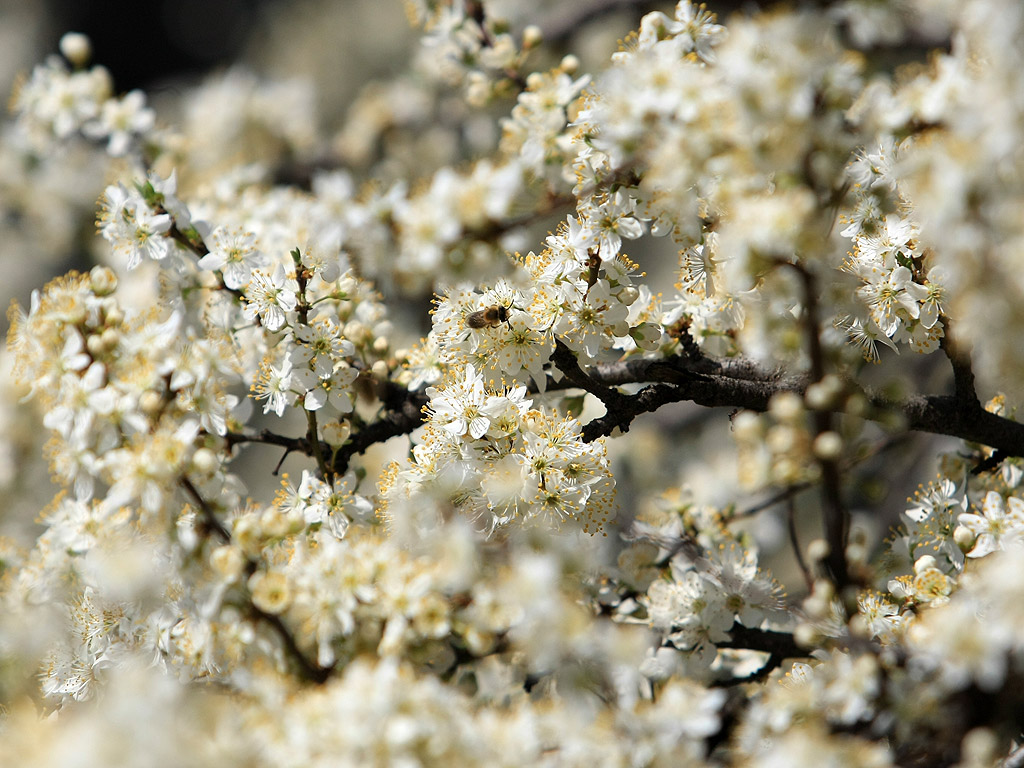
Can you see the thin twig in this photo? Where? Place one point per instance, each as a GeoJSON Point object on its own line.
{"type": "Point", "coordinates": [308, 669]}
{"type": "Point", "coordinates": [836, 516]}
{"type": "Point", "coordinates": [795, 541]}
{"type": "Point", "coordinates": [208, 515]}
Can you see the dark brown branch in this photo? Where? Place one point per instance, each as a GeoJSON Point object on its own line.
{"type": "Point", "coordinates": [774, 662]}
{"type": "Point", "coordinates": [794, 539]}
{"type": "Point", "coordinates": [987, 465]}
{"type": "Point", "coordinates": [566, 362]}
{"type": "Point", "coordinates": [779, 644]}
{"type": "Point", "coordinates": [212, 522]}
{"type": "Point", "coordinates": [963, 374]}
{"type": "Point", "coordinates": [730, 383]}
{"type": "Point", "coordinates": [740, 384]}
{"type": "Point", "coordinates": [308, 669]}
{"type": "Point", "coordinates": [836, 515]}
{"type": "Point", "coordinates": [404, 413]}
{"type": "Point", "coordinates": [650, 398]}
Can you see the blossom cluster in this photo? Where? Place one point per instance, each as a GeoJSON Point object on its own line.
{"type": "Point", "coordinates": [56, 103]}
{"type": "Point", "coordinates": [498, 459]}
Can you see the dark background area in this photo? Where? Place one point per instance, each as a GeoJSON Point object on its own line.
{"type": "Point", "coordinates": [144, 43]}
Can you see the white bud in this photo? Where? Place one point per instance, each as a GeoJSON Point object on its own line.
{"type": "Point", "coordinates": [94, 344]}
{"type": "Point", "coordinates": [924, 563]}
{"type": "Point", "coordinates": [816, 607]}
{"type": "Point", "coordinates": [828, 446]}
{"type": "Point", "coordinates": [824, 394]}
{"type": "Point", "coordinates": [817, 551]}
{"type": "Point", "coordinates": [806, 636]}
{"type": "Point", "coordinates": [110, 338]}
{"type": "Point", "coordinates": [274, 523]}
{"type": "Point", "coordinates": [569, 64]}
{"type": "Point", "coordinates": [205, 461]}
{"type": "Point", "coordinates": [783, 439]}
{"type": "Point", "coordinates": [824, 588]}
{"type": "Point", "coordinates": [113, 315]}
{"type": "Point", "coordinates": [532, 36]}
{"type": "Point", "coordinates": [786, 406]}
{"type": "Point", "coordinates": [647, 336]}
{"type": "Point", "coordinates": [747, 426]}
{"type": "Point", "coordinates": [76, 48]}
{"type": "Point", "coordinates": [856, 553]}
{"type": "Point", "coordinates": [336, 432]}
{"type": "Point", "coordinates": [628, 294]}
{"type": "Point", "coordinates": [859, 626]}
{"type": "Point", "coordinates": [964, 538]}
{"type": "Point", "coordinates": [356, 332]}
{"type": "Point", "coordinates": [246, 534]}
{"type": "Point", "coordinates": [979, 747]}
{"type": "Point", "coordinates": [102, 280]}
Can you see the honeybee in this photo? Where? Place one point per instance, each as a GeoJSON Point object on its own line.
{"type": "Point", "coordinates": [488, 317]}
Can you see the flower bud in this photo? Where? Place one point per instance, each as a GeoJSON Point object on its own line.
{"type": "Point", "coordinates": [532, 36]}
{"type": "Point", "coordinates": [824, 394]}
{"type": "Point", "coordinates": [964, 538]}
{"type": "Point", "coordinates": [817, 551]}
{"type": "Point", "coordinates": [747, 426]}
{"type": "Point", "coordinates": [150, 402]}
{"type": "Point", "coordinates": [205, 461]}
{"type": "Point", "coordinates": [336, 432]}
{"type": "Point", "coordinates": [109, 339]}
{"type": "Point", "coordinates": [247, 534]}
{"type": "Point", "coordinates": [102, 280]}
{"type": "Point", "coordinates": [924, 563]}
{"type": "Point", "coordinates": [786, 406]}
{"type": "Point", "coordinates": [356, 332]}
{"type": "Point", "coordinates": [76, 48]}
{"type": "Point", "coordinates": [823, 587]}
{"type": "Point", "coordinates": [274, 523]}
{"type": "Point", "coordinates": [828, 446]}
{"type": "Point", "coordinates": [806, 636]}
{"type": "Point", "coordinates": [113, 316]}
{"type": "Point", "coordinates": [95, 345]}
{"type": "Point", "coordinates": [628, 295]}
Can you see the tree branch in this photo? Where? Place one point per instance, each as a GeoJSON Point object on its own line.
{"type": "Point", "coordinates": [308, 669]}
{"type": "Point", "coordinates": [739, 384]}
{"type": "Point", "coordinates": [963, 374]}
{"type": "Point", "coordinates": [211, 519]}
{"type": "Point", "coordinates": [728, 383]}
{"type": "Point", "coordinates": [403, 415]}
{"type": "Point", "coordinates": [780, 644]}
